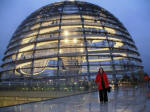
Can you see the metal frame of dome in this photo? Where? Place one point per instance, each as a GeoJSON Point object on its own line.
{"type": "Point", "coordinates": [70, 39]}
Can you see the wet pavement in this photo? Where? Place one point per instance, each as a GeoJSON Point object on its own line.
{"type": "Point", "coordinates": [125, 99]}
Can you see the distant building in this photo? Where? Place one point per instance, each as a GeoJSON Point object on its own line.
{"type": "Point", "coordinates": [70, 39]}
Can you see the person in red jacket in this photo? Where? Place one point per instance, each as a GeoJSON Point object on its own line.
{"type": "Point", "coordinates": [103, 84]}
{"type": "Point", "coordinates": [146, 79]}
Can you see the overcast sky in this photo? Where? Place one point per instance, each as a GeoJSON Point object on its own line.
{"type": "Point", "coordinates": [134, 14]}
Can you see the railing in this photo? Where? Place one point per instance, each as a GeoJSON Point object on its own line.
{"type": "Point", "coordinates": [18, 93]}
{"type": "Point", "coordinates": [25, 91]}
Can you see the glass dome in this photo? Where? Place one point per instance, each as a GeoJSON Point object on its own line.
{"type": "Point", "coordinates": [70, 39]}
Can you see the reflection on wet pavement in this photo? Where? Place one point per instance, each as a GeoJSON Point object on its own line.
{"type": "Point", "coordinates": [122, 100]}
{"type": "Point", "coordinates": [9, 101]}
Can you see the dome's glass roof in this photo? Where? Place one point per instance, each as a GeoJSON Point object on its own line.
{"type": "Point", "coordinates": [70, 39]}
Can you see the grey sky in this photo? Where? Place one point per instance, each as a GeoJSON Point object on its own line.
{"type": "Point", "coordinates": [134, 14]}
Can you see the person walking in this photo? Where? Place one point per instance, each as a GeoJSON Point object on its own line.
{"type": "Point", "coordinates": [103, 85]}
{"type": "Point", "coordinates": [146, 79]}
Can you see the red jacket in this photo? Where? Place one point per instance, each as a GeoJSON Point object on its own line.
{"type": "Point", "coordinates": [146, 77]}
{"type": "Point", "coordinates": [98, 80]}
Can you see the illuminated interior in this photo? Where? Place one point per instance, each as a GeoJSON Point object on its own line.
{"type": "Point", "coordinates": [70, 40]}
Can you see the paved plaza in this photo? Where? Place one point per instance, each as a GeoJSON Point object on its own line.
{"type": "Point", "coordinates": [124, 99]}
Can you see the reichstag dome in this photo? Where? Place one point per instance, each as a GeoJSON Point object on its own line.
{"type": "Point", "coordinates": [70, 39]}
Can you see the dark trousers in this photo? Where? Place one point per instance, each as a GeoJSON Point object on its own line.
{"type": "Point", "coordinates": [148, 83]}
{"type": "Point", "coordinates": [103, 95]}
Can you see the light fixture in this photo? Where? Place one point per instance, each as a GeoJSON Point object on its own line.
{"type": "Point", "coordinates": [66, 33]}
{"type": "Point", "coordinates": [60, 51]}
{"type": "Point", "coordinates": [81, 50]}
{"type": "Point", "coordinates": [75, 40]}
{"type": "Point", "coordinates": [66, 40]}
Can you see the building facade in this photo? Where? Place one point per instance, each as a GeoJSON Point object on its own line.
{"type": "Point", "coordinates": [70, 39]}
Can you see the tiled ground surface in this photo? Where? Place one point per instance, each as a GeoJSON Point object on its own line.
{"type": "Point", "coordinates": [121, 100]}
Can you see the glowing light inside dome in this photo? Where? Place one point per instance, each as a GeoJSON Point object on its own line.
{"type": "Point", "coordinates": [66, 33]}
